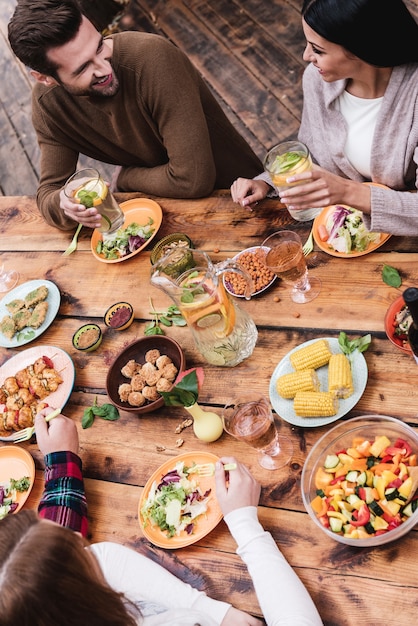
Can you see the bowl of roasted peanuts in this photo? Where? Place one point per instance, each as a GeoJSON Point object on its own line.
{"type": "Point", "coordinates": [251, 260]}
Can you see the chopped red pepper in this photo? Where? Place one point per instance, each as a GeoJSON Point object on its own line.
{"type": "Point", "coordinates": [48, 362]}
{"type": "Point", "coordinates": [362, 516]}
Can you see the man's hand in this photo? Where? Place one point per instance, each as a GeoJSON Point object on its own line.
{"type": "Point", "coordinates": [79, 213]}
{"type": "Point", "coordinates": [248, 192]}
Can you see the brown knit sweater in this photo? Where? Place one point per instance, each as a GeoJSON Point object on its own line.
{"type": "Point", "coordinates": [163, 127]}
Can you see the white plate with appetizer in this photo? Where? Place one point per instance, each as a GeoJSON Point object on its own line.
{"type": "Point", "coordinates": [53, 387]}
{"type": "Point", "coordinates": [27, 311]}
{"type": "Point", "coordinates": [284, 408]}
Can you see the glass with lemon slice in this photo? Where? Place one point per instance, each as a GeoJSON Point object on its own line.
{"type": "Point", "coordinates": [223, 332]}
{"type": "Point", "coordinates": [87, 187]}
{"type": "Point", "coordinates": [287, 159]}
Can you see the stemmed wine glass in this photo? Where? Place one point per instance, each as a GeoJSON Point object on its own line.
{"type": "Point", "coordinates": [283, 255]}
{"type": "Point", "coordinates": [249, 418]}
{"type": "Point", "coordinates": [8, 279]}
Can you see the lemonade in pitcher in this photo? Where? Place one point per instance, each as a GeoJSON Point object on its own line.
{"type": "Point", "coordinates": [223, 332]}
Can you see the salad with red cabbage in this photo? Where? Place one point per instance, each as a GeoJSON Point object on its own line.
{"type": "Point", "coordinates": [125, 240]}
{"type": "Point", "coordinates": [8, 494]}
{"type": "Point", "coordinates": [347, 232]}
{"type": "Point", "coordinates": [175, 502]}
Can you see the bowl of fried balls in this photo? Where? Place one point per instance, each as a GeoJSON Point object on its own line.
{"type": "Point", "coordinates": [143, 369]}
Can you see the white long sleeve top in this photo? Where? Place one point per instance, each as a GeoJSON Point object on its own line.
{"type": "Point", "coordinates": [164, 599]}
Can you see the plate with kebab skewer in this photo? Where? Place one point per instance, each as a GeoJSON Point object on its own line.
{"type": "Point", "coordinates": [36, 377]}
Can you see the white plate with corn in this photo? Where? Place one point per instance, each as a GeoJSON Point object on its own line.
{"type": "Point", "coordinates": [312, 386]}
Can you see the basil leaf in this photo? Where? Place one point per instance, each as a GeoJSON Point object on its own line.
{"type": "Point", "coordinates": [88, 418]}
{"type": "Point", "coordinates": [391, 276]}
{"type": "Point", "coordinates": [107, 412]}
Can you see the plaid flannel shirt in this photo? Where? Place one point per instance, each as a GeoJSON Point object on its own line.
{"type": "Point", "coordinates": [64, 499]}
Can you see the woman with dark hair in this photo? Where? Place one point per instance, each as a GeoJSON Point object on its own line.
{"type": "Point", "coordinates": [360, 114]}
{"type": "Point", "coordinates": [51, 576]}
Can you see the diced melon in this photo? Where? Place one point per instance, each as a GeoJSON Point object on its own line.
{"type": "Point", "coordinates": [353, 452]}
{"type": "Point", "coordinates": [322, 478]}
{"type": "Point", "coordinates": [388, 476]}
{"type": "Point", "coordinates": [380, 443]}
{"type": "Point", "coordinates": [405, 488]}
{"type": "Point", "coordinates": [379, 523]}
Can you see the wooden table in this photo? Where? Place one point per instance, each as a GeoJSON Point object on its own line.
{"type": "Point", "coordinates": [351, 586]}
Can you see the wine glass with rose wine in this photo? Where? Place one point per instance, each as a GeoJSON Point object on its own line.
{"type": "Point", "coordinates": [249, 418]}
{"type": "Point", "coordinates": [283, 255]}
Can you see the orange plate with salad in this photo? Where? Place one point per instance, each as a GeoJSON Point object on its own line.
{"type": "Point", "coordinates": [203, 524]}
{"type": "Point", "coordinates": [334, 217]}
{"type": "Point", "coordinates": [17, 463]}
{"type": "Point", "coordinates": [139, 211]}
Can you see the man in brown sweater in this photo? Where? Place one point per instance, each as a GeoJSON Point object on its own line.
{"type": "Point", "coordinates": [133, 100]}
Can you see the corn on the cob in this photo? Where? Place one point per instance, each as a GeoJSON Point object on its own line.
{"type": "Point", "coordinates": [340, 380]}
{"type": "Point", "coordinates": [313, 356]}
{"type": "Point", "coordinates": [305, 380]}
{"type": "Point", "coordinates": [315, 404]}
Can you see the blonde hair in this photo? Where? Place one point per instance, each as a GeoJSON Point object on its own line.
{"type": "Point", "coordinates": [47, 578]}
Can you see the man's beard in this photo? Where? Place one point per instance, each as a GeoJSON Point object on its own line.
{"type": "Point", "coordinates": [104, 92]}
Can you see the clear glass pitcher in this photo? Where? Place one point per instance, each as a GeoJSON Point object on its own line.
{"type": "Point", "coordinates": [223, 332]}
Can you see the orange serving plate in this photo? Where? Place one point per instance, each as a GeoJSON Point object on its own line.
{"type": "Point", "coordinates": [137, 210]}
{"type": "Point", "coordinates": [204, 524]}
{"type": "Point", "coordinates": [16, 463]}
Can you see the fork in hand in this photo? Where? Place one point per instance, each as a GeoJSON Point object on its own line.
{"type": "Point", "coordinates": [208, 469]}
{"type": "Point", "coordinates": [73, 245]}
{"type": "Point", "coordinates": [26, 433]}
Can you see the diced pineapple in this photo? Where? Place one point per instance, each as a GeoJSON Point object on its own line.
{"type": "Point", "coordinates": [380, 443]}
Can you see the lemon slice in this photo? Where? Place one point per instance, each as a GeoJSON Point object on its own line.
{"type": "Point", "coordinates": [209, 320]}
{"type": "Point", "coordinates": [106, 223]}
{"type": "Point", "coordinates": [92, 193]}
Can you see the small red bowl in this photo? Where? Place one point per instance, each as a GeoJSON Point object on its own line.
{"type": "Point", "coordinates": [400, 342]}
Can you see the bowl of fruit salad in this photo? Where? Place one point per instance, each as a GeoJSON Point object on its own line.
{"type": "Point", "coordinates": [359, 481]}
{"type": "Point", "coordinates": [397, 322]}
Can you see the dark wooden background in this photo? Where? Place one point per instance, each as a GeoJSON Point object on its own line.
{"type": "Point", "coordinates": [249, 52]}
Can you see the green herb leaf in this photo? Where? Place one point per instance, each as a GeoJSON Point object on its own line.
{"type": "Point", "coordinates": [178, 320]}
{"type": "Point", "coordinates": [88, 418]}
{"type": "Point", "coordinates": [107, 412]}
{"type": "Point", "coordinates": [167, 318]}
{"type": "Point", "coordinates": [185, 393]}
{"type": "Point", "coordinates": [361, 343]}
{"type": "Point", "coordinates": [391, 276]}
{"type": "Point", "coordinates": [153, 330]}
{"type": "Point", "coordinates": [21, 484]}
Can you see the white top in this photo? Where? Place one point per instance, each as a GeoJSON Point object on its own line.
{"type": "Point", "coordinates": [164, 599]}
{"type": "Point", "coordinates": [361, 116]}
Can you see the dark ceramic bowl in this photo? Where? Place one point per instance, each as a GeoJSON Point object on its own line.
{"type": "Point", "coordinates": [136, 351]}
